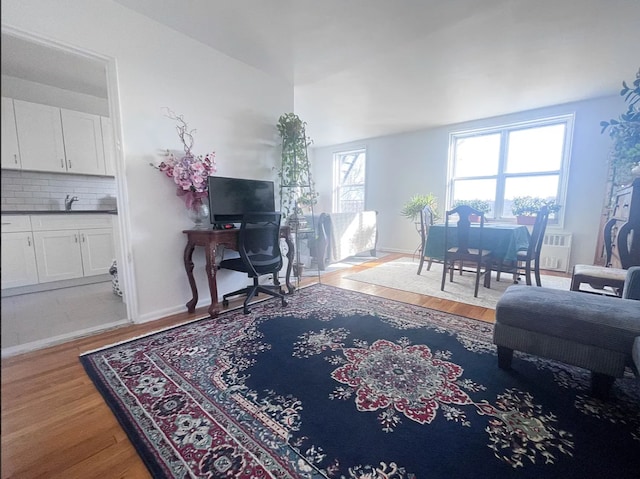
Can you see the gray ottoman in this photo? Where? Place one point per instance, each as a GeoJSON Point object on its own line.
{"type": "Point", "coordinates": [590, 331]}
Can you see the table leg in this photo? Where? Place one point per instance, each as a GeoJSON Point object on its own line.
{"type": "Point", "coordinates": [188, 266]}
{"type": "Point", "coordinates": [210, 253]}
{"type": "Point", "coordinates": [290, 255]}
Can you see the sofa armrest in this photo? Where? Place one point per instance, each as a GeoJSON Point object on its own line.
{"type": "Point", "coordinates": [631, 289]}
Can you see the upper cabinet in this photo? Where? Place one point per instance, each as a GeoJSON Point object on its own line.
{"type": "Point", "coordinates": [82, 135]}
{"type": "Point", "coordinates": [53, 139]}
{"type": "Point", "coordinates": [40, 137]}
{"type": "Point", "coordinates": [109, 146]}
{"type": "Point", "coordinates": [10, 152]}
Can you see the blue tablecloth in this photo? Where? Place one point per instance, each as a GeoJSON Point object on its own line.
{"type": "Point", "coordinates": [504, 241]}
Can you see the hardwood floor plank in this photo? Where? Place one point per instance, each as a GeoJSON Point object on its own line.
{"type": "Point", "coordinates": [55, 424]}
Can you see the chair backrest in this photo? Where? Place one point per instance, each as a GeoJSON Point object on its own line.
{"type": "Point", "coordinates": [537, 234]}
{"type": "Point", "coordinates": [608, 240]}
{"type": "Point", "coordinates": [259, 243]}
{"type": "Point", "coordinates": [625, 234]}
{"type": "Point", "coordinates": [463, 227]}
{"type": "Point", "coordinates": [426, 220]}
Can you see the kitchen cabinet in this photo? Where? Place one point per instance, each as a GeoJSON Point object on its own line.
{"type": "Point", "coordinates": [69, 247]}
{"type": "Point", "coordinates": [40, 140]}
{"type": "Point", "coordinates": [109, 146]}
{"type": "Point", "coordinates": [82, 134]}
{"type": "Point", "coordinates": [10, 153]}
{"type": "Point", "coordinates": [18, 253]}
{"type": "Point", "coordinates": [57, 140]}
{"type": "Point", "coordinates": [58, 255]}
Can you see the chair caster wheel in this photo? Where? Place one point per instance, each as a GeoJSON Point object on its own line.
{"type": "Point", "coordinates": [225, 302]}
{"type": "Point", "coordinates": [284, 302]}
{"type": "Point", "coordinates": [246, 310]}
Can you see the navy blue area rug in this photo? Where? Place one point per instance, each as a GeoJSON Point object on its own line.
{"type": "Point", "coordinates": [341, 384]}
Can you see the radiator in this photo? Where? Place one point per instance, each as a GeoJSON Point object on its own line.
{"type": "Point", "coordinates": [556, 251]}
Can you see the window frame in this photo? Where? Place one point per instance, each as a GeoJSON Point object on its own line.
{"type": "Point", "coordinates": [337, 185]}
{"type": "Point", "coordinates": [500, 177]}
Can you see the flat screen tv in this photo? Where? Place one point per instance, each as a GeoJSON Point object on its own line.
{"type": "Point", "coordinates": [230, 198]}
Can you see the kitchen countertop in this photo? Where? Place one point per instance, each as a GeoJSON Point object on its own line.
{"type": "Point", "coordinates": [60, 212]}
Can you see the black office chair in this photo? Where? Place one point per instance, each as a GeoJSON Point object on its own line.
{"type": "Point", "coordinates": [462, 252]}
{"type": "Point", "coordinates": [426, 220]}
{"type": "Point", "coordinates": [259, 248]}
{"type": "Point", "coordinates": [532, 254]}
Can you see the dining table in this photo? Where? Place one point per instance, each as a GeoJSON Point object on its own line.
{"type": "Point", "coordinates": [503, 240]}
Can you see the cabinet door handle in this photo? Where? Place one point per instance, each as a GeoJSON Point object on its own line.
{"type": "Point", "coordinates": [15, 158]}
{"type": "Point", "coordinates": [69, 162]}
{"type": "Point", "coordinates": [76, 238]}
{"type": "Point", "coordinates": [83, 238]}
{"type": "Point", "coordinates": [62, 163]}
{"type": "Point", "coordinates": [29, 240]}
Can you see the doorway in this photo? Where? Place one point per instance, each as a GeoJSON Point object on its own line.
{"type": "Point", "coordinates": [41, 72]}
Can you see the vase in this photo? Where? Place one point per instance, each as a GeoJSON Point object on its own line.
{"type": "Point", "coordinates": [199, 214]}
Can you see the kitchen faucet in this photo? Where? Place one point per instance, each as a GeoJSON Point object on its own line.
{"type": "Point", "coordinates": [68, 202]}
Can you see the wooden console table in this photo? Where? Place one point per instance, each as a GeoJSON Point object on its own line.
{"type": "Point", "coordinates": [210, 240]}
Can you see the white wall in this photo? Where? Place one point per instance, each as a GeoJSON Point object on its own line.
{"type": "Point", "coordinates": [399, 166]}
{"type": "Point", "coordinates": [234, 108]}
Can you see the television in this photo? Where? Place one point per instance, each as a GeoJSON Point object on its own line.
{"type": "Point", "coordinates": [230, 198]}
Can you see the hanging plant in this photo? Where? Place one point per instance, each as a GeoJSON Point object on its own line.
{"type": "Point", "coordinates": [297, 188]}
{"type": "Point", "coordinates": [625, 133]}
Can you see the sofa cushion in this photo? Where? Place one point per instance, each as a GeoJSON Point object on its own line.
{"type": "Point", "coordinates": [596, 320]}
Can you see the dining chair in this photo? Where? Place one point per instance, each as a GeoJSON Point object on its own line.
{"type": "Point", "coordinates": [604, 279]}
{"type": "Point", "coordinates": [460, 250]}
{"type": "Point", "coordinates": [426, 220]}
{"type": "Point", "coordinates": [532, 253]}
{"type": "Point", "coordinates": [259, 248]}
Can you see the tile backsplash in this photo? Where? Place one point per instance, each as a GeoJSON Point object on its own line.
{"type": "Point", "coordinates": [30, 190]}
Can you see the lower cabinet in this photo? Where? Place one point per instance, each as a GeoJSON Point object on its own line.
{"type": "Point", "coordinates": [18, 260]}
{"type": "Point", "coordinates": [55, 247]}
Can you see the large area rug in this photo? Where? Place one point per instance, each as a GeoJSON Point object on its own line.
{"type": "Point", "coordinates": [402, 274]}
{"type": "Point", "coordinates": [341, 384]}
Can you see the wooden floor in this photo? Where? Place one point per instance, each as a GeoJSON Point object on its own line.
{"type": "Point", "coordinates": [55, 424]}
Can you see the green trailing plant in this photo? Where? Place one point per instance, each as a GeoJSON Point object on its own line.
{"type": "Point", "coordinates": [480, 205]}
{"type": "Point", "coordinates": [416, 204]}
{"type": "Point", "coordinates": [530, 205]}
{"type": "Point", "coordinates": [297, 188]}
{"type": "Point", "coordinates": [625, 133]}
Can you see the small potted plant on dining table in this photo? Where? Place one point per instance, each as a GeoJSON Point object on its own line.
{"type": "Point", "coordinates": [477, 204]}
{"type": "Point", "coordinates": [525, 208]}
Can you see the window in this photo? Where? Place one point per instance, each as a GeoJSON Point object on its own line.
{"type": "Point", "coordinates": [499, 164]}
{"type": "Point", "coordinates": [349, 181]}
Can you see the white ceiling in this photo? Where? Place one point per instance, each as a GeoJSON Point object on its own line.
{"type": "Point", "coordinates": [366, 68]}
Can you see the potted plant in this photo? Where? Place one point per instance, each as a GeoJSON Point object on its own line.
{"type": "Point", "coordinates": [480, 205]}
{"type": "Point", "coordinates": [525, 208]}
{"type": "Point", "coordinates": [625, 133]}
{"type": "Point", "coordinates": [297, 188]}
{"type": "Point", "coordinates": [416, 204]}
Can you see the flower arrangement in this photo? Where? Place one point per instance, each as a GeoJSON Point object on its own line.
{"type": "Point", "coordinates": [189, 172]}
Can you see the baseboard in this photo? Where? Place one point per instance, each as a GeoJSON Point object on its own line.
{"type": "Point", "coordinates": [68, 283]}
{"type": "Point", "coordinates": [62, 338]}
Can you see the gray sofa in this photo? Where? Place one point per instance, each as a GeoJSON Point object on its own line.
{"type": "Point", "coordinates": [599, 333]}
